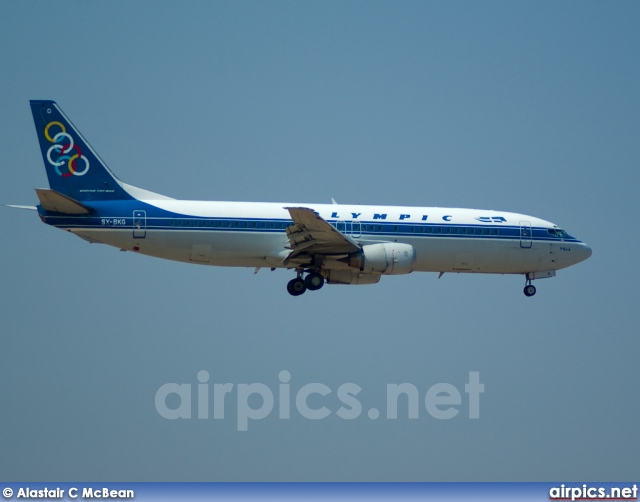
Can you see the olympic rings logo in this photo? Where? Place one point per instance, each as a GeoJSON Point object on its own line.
{"type": "Point", "coordinates": [63, 147]}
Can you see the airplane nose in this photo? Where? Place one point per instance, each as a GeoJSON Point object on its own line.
{"type": "Point", "coordinates": [585, 252]}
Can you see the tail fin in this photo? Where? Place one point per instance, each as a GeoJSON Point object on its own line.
{"type": "Point", "coordinates": [74, 169]}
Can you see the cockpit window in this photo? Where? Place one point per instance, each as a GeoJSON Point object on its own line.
{"type": "Point", "coordinates": [558, 232]}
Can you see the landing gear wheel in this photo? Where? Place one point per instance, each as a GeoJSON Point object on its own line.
{"type": "Point", "coordinates": [296, 287]}
{"type": "Point", "coordinates": [314, 281]}
{"type": "Point", "coordinates": [529, 290]}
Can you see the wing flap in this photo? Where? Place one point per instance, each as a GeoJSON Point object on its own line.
{"type": "Point", "coordinates": [311, 234]}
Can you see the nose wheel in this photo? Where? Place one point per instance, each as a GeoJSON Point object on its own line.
{"type": "Point", "coordinates": [529, 289]}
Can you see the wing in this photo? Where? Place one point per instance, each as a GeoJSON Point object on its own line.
{"type": "Point", "coordinates": [310, 235]}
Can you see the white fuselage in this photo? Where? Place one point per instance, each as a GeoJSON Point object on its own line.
{"type": "Point", "coordinates": [243, 234]}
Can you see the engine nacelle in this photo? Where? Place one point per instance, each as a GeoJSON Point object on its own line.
{"type": "Point", "coordinates": [389, 258]}
{"type": "Point", "coordinates": [350, 277]}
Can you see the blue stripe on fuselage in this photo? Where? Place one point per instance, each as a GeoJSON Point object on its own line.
{"type": "Point", "coordinates": [119, 215]}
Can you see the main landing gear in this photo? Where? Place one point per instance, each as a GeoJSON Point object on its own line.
{"type": "Point", "coordinates": [313, 282]}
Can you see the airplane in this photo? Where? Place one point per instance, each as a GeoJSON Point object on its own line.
{"type": "Point", "coordinates": [322, 243]}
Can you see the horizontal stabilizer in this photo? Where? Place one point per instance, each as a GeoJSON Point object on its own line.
{"type": "Point", "coordinates": [32, 208]}
{"type": "Point", "coordinates": [55, 201]}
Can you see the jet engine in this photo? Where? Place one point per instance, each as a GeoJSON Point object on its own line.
{"type": "Point", "coordinates": [389, 258]}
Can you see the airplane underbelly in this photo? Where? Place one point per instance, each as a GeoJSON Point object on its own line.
{"type": "Point", "coordinates": [208, 248]}
{"type": "Point", "coordinates": [486, 256]}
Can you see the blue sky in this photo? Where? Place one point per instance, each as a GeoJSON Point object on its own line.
{"type": "Point", "coordinates": [529, 107]}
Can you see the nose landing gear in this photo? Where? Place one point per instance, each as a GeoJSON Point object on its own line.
{"type": "Point", "coordinates": [529, 289]}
